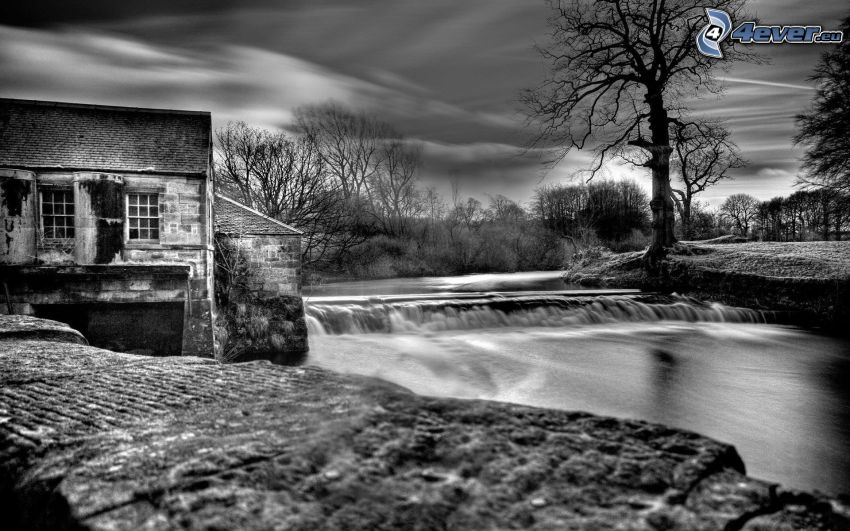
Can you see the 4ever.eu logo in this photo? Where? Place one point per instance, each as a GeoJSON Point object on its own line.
{"type": "Point", "coordinates": [719, 28]}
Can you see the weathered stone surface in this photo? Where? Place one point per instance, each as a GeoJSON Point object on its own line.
{"type": "Point", "coordinates": [22, 327]}
{"type": "Point", "coordinates": [99, 440]}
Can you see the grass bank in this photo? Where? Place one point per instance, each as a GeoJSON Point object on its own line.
{"type": "Point", "coordinates": [809, 282]}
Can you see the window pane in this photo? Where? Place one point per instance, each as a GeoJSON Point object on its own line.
{"type": "Point", "coordinates": [57, 214]}
{"type": "Point", "coordinates": [143, 216]}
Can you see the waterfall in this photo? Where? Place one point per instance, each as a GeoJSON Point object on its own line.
{"type": "Point", "coordinates": [432, 314]}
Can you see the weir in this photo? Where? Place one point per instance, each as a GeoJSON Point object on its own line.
{"type": "Point", "coordinates": [695, 365]}
{"type": "Point", "coordinates": [466, 311]}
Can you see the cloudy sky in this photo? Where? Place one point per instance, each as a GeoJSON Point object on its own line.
{"type": "Point", "coordinates": [446, 72]}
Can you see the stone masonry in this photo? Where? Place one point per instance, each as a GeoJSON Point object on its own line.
{"type": "Point", "coordinates": [96, 159]}
{"type": "Point", "coordinates": [259, 283]}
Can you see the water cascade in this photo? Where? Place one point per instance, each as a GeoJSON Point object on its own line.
{"type": "Point", "coordinates": [432, 313]}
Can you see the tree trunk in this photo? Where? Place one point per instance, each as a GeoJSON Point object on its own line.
{"type": "Point", "coordinates": [686, 219]}
{"type": "Point", "coordinates": [663, 213]}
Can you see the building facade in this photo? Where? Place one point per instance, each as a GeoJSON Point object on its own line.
{"type": "Point", "coordinates": [106, 217]}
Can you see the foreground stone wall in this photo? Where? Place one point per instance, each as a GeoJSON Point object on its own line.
{"type": "Point", "coordinates": [112, 290]}
{"type": "Point", "coordinates": [98, 440]}
{"type": "Point", "coordinates": [273, 263]}
{"type": "Point", "coordinates": [260, 310]}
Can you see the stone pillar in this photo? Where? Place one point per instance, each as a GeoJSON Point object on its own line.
{"type": "Point", "coordinates": [99, 217]}
{"type": "Point", "coordinates": [198, 328]}
{"type": "Point", "coordinates": [18, 221]}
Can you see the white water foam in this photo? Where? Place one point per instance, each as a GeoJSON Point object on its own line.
{"type": "Point", "coordinates": [550, 311]}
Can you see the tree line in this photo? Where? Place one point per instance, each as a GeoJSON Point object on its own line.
{"type": "Point", "coordinates": [805, 215]}
{"type": "Point", "coordinates": [351, 182]}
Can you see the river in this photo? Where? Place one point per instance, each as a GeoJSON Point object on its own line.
{"type": "Point", "coordinates": [778, 393]}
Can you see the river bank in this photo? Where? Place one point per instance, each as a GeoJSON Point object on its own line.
{"type": "Point", "coordinates": [808, 282]}
{"type": "Point", "coordinates": [96, 439]}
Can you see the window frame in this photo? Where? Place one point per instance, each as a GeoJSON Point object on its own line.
{"type": "Point", "coordinates": [41, 215]}
{"type": "Point", "coordinates": [128, 217]}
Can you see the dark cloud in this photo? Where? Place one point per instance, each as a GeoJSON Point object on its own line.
{"type": "Point", "coordinates": [40, 13]}
{"type": "Point", "coordinates": [446, 72]}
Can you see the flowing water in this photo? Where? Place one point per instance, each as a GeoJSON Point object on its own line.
{"type": "Point", "coordinates": [778, 393]}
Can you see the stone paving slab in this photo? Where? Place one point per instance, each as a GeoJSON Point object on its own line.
{"type": "Point", "coordinates": [98, 440]}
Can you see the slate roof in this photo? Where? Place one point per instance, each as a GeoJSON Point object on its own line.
{"type": "Point", "coordinates": [231, 217]}
{"type": "Point", "coordinates": [51, 135]}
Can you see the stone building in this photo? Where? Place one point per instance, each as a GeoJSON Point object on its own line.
{"type": "Point", "coordinates": [106, 218]}
{"type": "Point", "coordinates": [271, 249]}
{"type": "Point", "coordinates": [258, 278]}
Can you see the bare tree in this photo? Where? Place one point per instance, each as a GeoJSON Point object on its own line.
{"type": "Point", "coordinates": [825, 130]}
{"type": "Point", "coordinates": [505, 211]}
{"type": "Point", "coordinates": [703, 155]}
{"type": "Point", "coordinates": [393, 195]}
{"type": "Point", "coordinates": [469, 213]}
{"type": "Point", "coordinates": [351, 143]}
{"type": "Point", "coordinates": [619, 72]}
{"type": "Point", "coordinates": [742, 210]}
{"type": "Point", "coordinates": [285, 178]}
{"type": "Point", "coordinates": [239, 152]}
{"type": "Point", "coordinates": [435, 209]}
{"type": "Point", "coordinates": [560, 207]}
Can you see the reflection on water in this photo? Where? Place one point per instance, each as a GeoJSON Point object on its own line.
{"type": "Point", "coordinates": [777, 393]}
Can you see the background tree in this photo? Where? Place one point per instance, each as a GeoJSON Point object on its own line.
{"type": "Point", "coordinates": [394, 198]}
{"type": "Point", "coordinates": [741, 210]}
{"type": "Point", "coordinates": [285, 178]}
{"type": "Point", "coordinates": [825, 130]}
{"type": "Point", "coordinates": [704, 222]}
{"type": "Point", "coordinates": [703, 154]}
{"type": "Point", "coordinates": [619, 72]}
{"type": "Point", "coordinates": [607, 213]}
{"type": "Point", "coordinates": [351, 142]}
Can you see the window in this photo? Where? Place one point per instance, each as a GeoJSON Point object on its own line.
{"type": "Point", "coordinates": [57, 214]}
{"type": "Point", "coordinates": [143, 216]}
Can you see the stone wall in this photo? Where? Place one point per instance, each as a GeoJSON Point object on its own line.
{"type": "Point", "coordinates": [130, 308]}
{"type": "Point", "coordinates": [259, 298]}
{"type": "Point", "coordinates": [17, 217]}
{"type": "Point", "coordinates": [102, 237]}
{"type": "Point", "coordinates": [274, 264]}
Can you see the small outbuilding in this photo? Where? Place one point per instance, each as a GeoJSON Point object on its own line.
{"type": "Point", "coordinates": [258, 284]}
